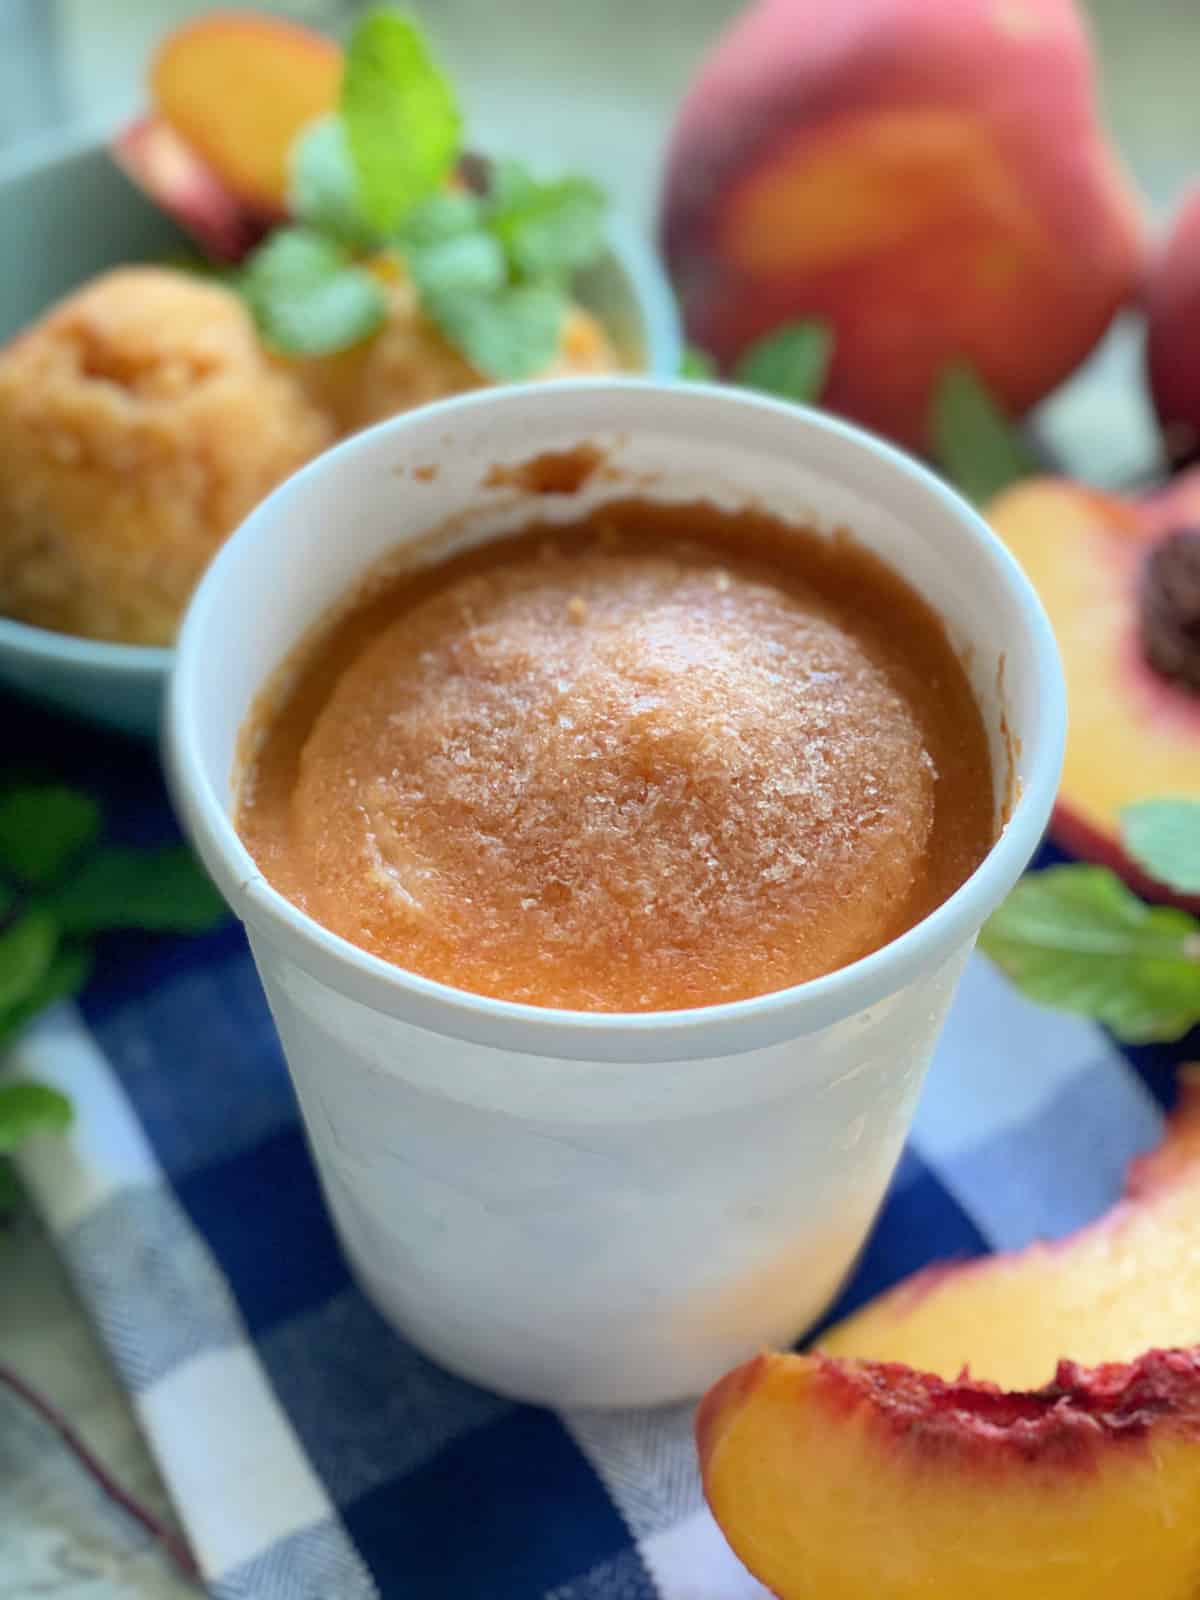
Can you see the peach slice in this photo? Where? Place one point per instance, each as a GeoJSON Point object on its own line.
{"type": "Point", "coordinates": [1129, 1282]}
{"type": "Point", "coordinates": [929, 177]}
{"type": "Point", "coordinates": [155, 158]}
{"type": "Point", "coordinates": [238, 87]}
{"type": "Point", "coordinates": [1127, 620]}
{"type": "Point", "coordinates": [858, 1481]}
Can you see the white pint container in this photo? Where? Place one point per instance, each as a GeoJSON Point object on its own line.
{"type": "Point", "coordinates": [598, 1209]}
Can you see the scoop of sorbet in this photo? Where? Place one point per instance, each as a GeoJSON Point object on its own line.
{"type": "Point", "coordinates": [615, 780]}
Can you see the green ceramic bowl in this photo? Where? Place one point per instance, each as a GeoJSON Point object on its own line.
{"type": "Point", "coordinates": [69, 213]}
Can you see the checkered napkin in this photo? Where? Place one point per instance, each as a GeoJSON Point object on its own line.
{"type": "Point", "coordinates": [313, 1455]}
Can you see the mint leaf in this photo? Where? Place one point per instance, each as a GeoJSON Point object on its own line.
{"type": "Point", "coordinates": [159, 891]}
{"type": "Point", "coordinates": [792, 363]}
{"type": "Point", "coordinates": [442, 216]}
{"type": "Point", "coordinates": [464, 263]}
{"type": "Point", "coordinates": [1077, 939]}
{"type": "Point", "coordinates": [549, 230]}
{"type": "Point", "coordinates": [973, 440]}
{"type": "Point", "coordinates": [401, 118]}
{"type": "Point", "coordinates": [28, 1108]}
{"type": "Point", "coordinates": [509, 185]}
{"type": "Point", "coordinates": [307, 297]}
{"type": "Point", "coordinates": [1163, 837]}
{"type": "Point", "coordinates": [508, 335]}
{"type": "Point", "coordinates": [64, 977]}
{"type": "Point", "coordinates": [41, 827]}
{"type": "Point", "coordinates": [26, 951]}
{"type": "Point", "coordinates": [697, 365]}
{"type": "Point", "coordinates": [323, 188]}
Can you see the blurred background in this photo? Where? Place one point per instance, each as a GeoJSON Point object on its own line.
{"type": "Point", "coordinates": [595, 86]}
{"type": "Point", "coordinates": [596, 83]}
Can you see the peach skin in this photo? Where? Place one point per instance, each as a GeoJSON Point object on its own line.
{"type": "Point", "coordinates": [1173, 336]}
{"type": "Point", "coordinates": [1121, 582]}
{"type": "Point", "coordinates": [169, 173]}
{"type": "Point", "coordinates": [927, 176]}
{"type": "Point", "coordinates": [841, 1480]}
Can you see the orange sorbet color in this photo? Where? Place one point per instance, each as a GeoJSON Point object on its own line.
{"type": "Point", "coordinates": [665, 757]}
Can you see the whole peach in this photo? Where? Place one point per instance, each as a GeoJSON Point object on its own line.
{"type": "Point", "coordinates": [927, 175]}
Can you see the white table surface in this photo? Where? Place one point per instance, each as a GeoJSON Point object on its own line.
{"type": "Point", "coordinates": [616, 70]}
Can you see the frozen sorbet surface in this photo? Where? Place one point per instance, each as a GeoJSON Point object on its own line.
{"type": "Point", "coordinates": [662, 758]}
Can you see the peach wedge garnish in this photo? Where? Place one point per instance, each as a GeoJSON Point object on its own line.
{"type": "Point", "coordinates": [859, 1481]}
{"type": "Point", "coordinates": [1128, 1283]}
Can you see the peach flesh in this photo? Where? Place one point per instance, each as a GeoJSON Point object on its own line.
{"type": "Point", "coordinates": [1132, 733]}
{"type": "Point", "coordinates": [1127, 1283]}
{"type": "Point", "coordinates": [864, 1481]}
{"type": "Point", "coordinates": [238, 87]}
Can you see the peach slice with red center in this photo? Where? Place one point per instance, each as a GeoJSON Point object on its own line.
{"type": "Point", "coordinates": [927, 176]}
{"type": "Point", "coordinates": [237, 87]}
{"type": "Point", "coordinates": [1129, 1282]}
{"type": "Point", "coordinates": [1121, 581]}
{"type": "Point", "coordinates": [841, 1480]}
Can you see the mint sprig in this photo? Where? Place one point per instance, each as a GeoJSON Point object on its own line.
{"type": "Point", "coordinates": [697, 365]}
{"type": "Point", "coordinates": [402, 122]}
{"type": "Point", "coordinates": [323, 187]}
{"type": "Point", "coordinates": [511, 332]}
{"type": "Point", "coordinates": [42, 826]}
{"type": "Point", "coordinates": [1077, 938]}
{"type": "Point", "coordinates": [974, 442]}
{"type": "Point", "coordinates": [1163, 837]}
{"type": "Point", "coordinates": [308, 296]}
{"type": "Point", "coordinates": [547, 230]}
{"type": "Point", "coordinates": [791, 363]}
{"type": "Point", "coordinates": [492, 270]}
{"type": "Point", "coordinates": [29, 1108]}
{"type": "Point", "coordinates": [27, 948]}
{"type": "Point", "coordinates": [58, 889]}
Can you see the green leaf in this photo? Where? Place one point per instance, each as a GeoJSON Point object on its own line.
{"type": "Point", "coordinates": [973, 440]}
{"type": "Point", "coordinates": [323, 187]}
{"type": "Point", "coordinates": [401, 117]}
{"type": "Point", "coordinates": [510, 183]}
{"type": "Point", "coordinates": [29, 1108]}
{"type": "Point", "coordinates": [550, 230]}
{"type": "Point", "coordinates": [41, 827]}
{"type": "Point", "coordinates": [64, 977]}
{"type": "Point", "coordinates": [1163, 837]}
{"type": "Point", "coordinates": [509, 335]}
{"type": "Point", "coordinates": [1077, 939]}
{"type": "Point", "coordinates": [442, 216]}
{"type": "Point", "coordinates": [697, 365]}
{"type": "Point", "coordinates": [26, 951]}
{"type": "Point", "coordinates": [10, 1190]}
{"type": "Point", "coordinates": [160, 891]}
{"type": "Point", "coordinates": [307, 297]}
{"type": "Point", "coordinates": [792, 362]}
{"type": "Point", "coordinates": [464, 263]}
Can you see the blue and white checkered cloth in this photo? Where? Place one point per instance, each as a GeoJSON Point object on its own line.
{"type": "Point", "coordinates": [312, 1454]}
